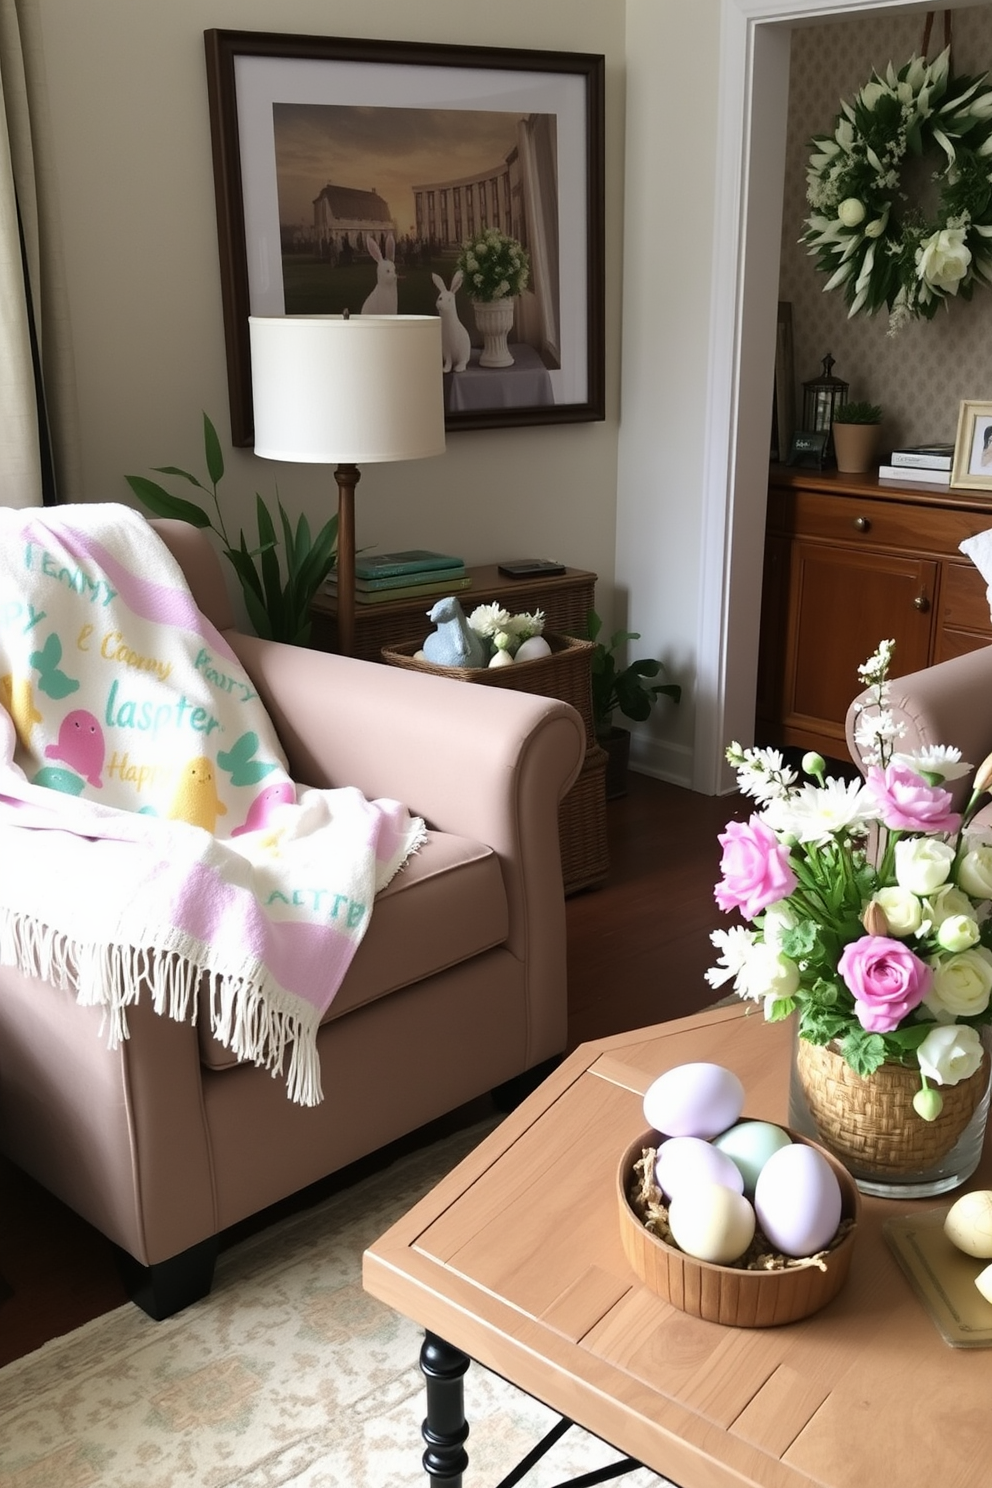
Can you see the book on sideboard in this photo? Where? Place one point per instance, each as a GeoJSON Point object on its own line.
{"type": "Point", "coordinates": [401, 581]}
{"type": "Point", "coordinates": [906, 474]}
{"type": "Point", "coordinates": [927, 456]}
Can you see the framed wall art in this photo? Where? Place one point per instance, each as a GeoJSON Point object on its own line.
{"type": "Point", "coordinates": [350, 175]}
{"type": "Point", "coordinates": [971, 468]}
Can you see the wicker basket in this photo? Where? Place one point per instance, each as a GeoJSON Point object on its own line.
{"type": "Point", "coordinates": [565, 674]}
{"type": "Point", "coordinates": [871, 1122]}
{"type": "Point", "coordinates": [728, 1294]}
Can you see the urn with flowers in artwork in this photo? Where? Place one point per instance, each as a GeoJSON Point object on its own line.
{"type": "Point", "coordinates": [496, 268]}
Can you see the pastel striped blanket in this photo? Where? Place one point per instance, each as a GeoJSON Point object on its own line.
{"type": "Point", "coordinates": [152, 841]}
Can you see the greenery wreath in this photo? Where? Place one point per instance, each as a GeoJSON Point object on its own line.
{"type": "Point", "coordinates": [863, 229]}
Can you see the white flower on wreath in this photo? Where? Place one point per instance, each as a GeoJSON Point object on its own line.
{"type": "Point", "coordinates": [943, 259]}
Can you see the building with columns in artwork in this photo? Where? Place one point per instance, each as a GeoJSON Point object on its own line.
{"type": "Point", "coordinates": [450, 211]}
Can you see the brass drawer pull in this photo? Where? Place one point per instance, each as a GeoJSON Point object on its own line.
{"type": "Point", "coordinates": [862, 524]}
{"type": "Point", "coordinates": [921, 603]}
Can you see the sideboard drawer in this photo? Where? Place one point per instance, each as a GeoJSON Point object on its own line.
{"type": "Point", "coordinates": [864, 522]}
{"type": "Point", "coordinates": [964, 603]}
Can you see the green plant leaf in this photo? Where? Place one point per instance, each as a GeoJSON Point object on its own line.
{"type": "Point", "coordinates": [212, 452]}
{"type": "Point", "coordinates": [164, 504]}
{"type": "Point", "coordinates": [243, 564]}
{"type": "Point", "coordinates": [175, 470]}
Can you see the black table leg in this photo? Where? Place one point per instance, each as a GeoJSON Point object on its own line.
{"type": "Point", "coordinates": [445, 1428]}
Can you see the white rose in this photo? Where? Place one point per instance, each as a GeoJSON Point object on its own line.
{"type": "Point", "coordinates": [778, 919]}
{"type": "Point", "coordinates": [962, 984]}
{"type": "Point", "coordinates": [946, 902]}
{"type": "Point", "coordinates": [902, 910]}
{"type": "Point", "coordinates": [922, 864]}
{"type": "Point", "coordinates": [957, 933]}
{"type": "Point", "coordinates": [975, 872]}
{"type": "Point", "coordinates": [766, 975]}
{"type": "Point", "coordinates": [950, 1053]}
{"type": "Point", "coordinates": [943, 259]}
{"type": "Point", "coordinates": [851, 212]}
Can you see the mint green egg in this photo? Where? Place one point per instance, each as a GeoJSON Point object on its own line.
{"type": "Point", "coordinates": [749, 1145]}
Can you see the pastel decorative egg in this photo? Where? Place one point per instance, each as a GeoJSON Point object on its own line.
{"type": "Point", "coordinates": [711, 1223]}
{"type": "Point", "coordinates": [685, 1161]}
{"type": "Point", "coordinates": [501, 659]}
{"type": "Point", "coordinates": [969, 1224]}
{"type": "Point", "coordinates": [798, 1200]}
{"type": "Point", "coordinates": [983, 1282]}
{"type": "Point", "coordinates": [750, 1144]}
{"type": "Point", "coordinates": [694, 1100]}
{"type": "Point", "coordinates": [533, 649]}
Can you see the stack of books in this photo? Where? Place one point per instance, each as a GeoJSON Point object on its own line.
{"type": "Point", "coordinates": [381, 577]}
{"type": "Point", "coordinates": [930, 464]}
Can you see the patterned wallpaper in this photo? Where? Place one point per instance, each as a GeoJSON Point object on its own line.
{"type": "Point", "coordinates": [920, 375]}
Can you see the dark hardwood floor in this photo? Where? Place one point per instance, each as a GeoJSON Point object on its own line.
{"type": "Point", "coordinates": [638, 948]}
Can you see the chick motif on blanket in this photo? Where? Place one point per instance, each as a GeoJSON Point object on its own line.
{"type": "Point", "coordinates": [196, 800]}
{"type": "Point", "coordinates": [17, 697]}
{"type": "Point", "coordinates": [283, 793]}
{"type": "Point", "coordinates": [80, 746]}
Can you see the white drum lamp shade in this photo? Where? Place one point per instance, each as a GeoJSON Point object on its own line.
{"type": "Point", "coordinates": [333, 390]}
{"type": "Point", "coordinates": [347, 390]}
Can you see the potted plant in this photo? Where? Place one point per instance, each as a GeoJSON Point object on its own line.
{"type": "Point", "coordinates": [278, 608]}
{"type": "Point", "coordinates": [496, 269]}
{"type": "Point", "coordinates": [625, 689]}
{"type": "Point", "coordinates": [855, 431]}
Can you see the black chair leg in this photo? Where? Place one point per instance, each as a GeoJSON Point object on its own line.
{"type": "Point", "coordinates": [168, 1286]}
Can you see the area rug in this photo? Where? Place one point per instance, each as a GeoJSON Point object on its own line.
{"type": "Point", "coordinates": [287, 1376]}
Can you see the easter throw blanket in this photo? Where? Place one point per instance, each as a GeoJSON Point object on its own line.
{"type": "Point", "coordinates": [150, 834]}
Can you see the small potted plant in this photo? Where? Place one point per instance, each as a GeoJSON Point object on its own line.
{"type": "Point", "coordinates": [627, 690]}
{"type": "Point", "coordinates": [855, 431]}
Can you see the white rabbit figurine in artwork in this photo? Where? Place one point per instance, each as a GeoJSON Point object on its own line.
{"type": "Point", "coordinates": [456, 343]}
{"type": "Point", "coordinates": [384, 298]}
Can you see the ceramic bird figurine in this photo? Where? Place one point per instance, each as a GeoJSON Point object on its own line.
{"type": "Point", "coordinates": [454, 642]}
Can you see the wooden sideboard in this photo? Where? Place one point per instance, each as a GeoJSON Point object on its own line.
{"type": "Point", "coordinates": [566, 600]}
{"type": "Point", "coordinates": [851, 561]}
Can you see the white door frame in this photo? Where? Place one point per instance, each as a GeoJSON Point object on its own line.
{"type": "Point", "coordinates": [750, 174]}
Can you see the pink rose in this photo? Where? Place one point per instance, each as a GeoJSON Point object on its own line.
{"type": "Point", "coordinates": [755, 867]}
{"type": "Point", "coordinates": [908, 804]}
{"type": "Point", "coordinates": [887, 980]}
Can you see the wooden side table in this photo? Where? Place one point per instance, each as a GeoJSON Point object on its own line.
{"type": "Point", "coordinates": [566, 600]}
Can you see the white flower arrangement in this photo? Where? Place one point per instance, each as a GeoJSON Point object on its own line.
{"type": "Point", "coordinates": [495, 267]}
{"type": "Point", "coordinates": [503, 632]}
{"type": "Point", "coordinates": [871, 902]}
{"type": "Point", "coordinates": [878, 253]}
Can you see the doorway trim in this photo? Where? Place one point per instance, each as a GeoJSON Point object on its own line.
{"type": "Point", "coordinates": [750, 178]}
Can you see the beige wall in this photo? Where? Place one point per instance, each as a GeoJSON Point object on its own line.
{"type": "Point", "coordinates": [132, 158]}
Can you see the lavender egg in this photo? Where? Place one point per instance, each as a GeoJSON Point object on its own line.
{"type": "Point", "coordinates": [694, 1100]}
{"type": "Point", "coordinates": [797, 1200]}
{"type": "Point", "coordinates": [683, 1162]}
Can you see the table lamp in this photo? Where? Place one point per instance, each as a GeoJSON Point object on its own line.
{"type": "Point", "coordinates": [346, 390]}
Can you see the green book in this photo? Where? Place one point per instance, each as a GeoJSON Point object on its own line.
{"type": "Point", "coordinates": [398, 581]}
{"type": "Point", "coordinates": [408, 591]}
{"type": "Point", "coordinates": [410, 561]}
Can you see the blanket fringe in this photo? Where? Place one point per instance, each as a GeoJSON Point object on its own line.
{"type": "Point", "coordinates": [258, 1023]}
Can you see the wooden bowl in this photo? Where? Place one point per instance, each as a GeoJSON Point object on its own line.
{"type": "Point", "coordinates": [727, 1294]}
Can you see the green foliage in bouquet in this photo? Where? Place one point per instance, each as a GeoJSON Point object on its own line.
{"type": "Point", "coordinates": [278, 607]}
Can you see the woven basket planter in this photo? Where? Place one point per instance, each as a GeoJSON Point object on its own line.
{"type": "Point", "coordinates": [870, 1123]}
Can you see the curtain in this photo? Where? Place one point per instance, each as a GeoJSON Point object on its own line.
{"type": "Point", "coordinates": [38, 439]}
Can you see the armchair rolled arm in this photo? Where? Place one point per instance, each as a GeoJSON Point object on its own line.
{"type": "Point", "coordinates": [944, 704]}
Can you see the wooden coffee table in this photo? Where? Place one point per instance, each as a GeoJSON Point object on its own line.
{"type": "Point", "coordinates": [515, 1260]}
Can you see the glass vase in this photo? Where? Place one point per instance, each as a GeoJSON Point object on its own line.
{"type": "Point", "coordinates": [871, 1126]}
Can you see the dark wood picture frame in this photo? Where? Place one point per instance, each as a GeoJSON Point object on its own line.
{"type": "Point", "coordinates": [245, 69]}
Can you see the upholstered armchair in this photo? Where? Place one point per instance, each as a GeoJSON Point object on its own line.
{"type": "Point", "coordinates": [458, 986]}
